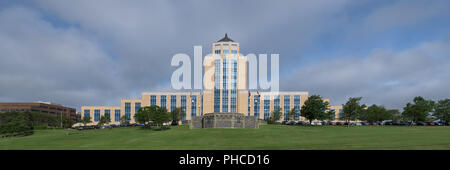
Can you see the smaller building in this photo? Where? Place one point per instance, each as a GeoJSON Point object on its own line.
{"type": "Point", "coordinates": [224, 120]}
{"type": "Point", "coordinates": [41, 107]}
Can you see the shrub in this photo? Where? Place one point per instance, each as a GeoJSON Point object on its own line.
{"type": "Point", "coordinates": [15, 124]}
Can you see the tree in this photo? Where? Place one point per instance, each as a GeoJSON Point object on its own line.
{"type": "Point", "coordinates": [352, 109]}
{"type": "Point", "coordinates": [160, 116]}
{"type": "Point", "coordinates": [15, 124]}
{"type": "Point", "coordinates": [274, 116]}
{"type": "Point", "coordinates": [395, 114]}
{"type": "Point", "coordinates": [442, 110]}
{"type": "Point", "coordinates": [86, 120]}
{"type": "Point", "coordinates": [124, 120]}
{"type": "Point", "coordinates": [291, 113]}
{"type": "Point", "coordinates": [175, 114]}
{"type": "Point", "coordinates": [419, 110]}
{"type": "Point", "coordinates": [329, 115]}
{"type": "Point", "coordinates": [143, 114]}
{"type": "Point", "coordinates": [314, 108]}
{"type": "Point", "coordinates": [375, 113]}
{"type": "Point", "coordinates": [103, 120]}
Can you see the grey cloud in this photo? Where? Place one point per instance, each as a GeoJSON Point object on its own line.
{"type": "Point", "coordinates": [384, 77]}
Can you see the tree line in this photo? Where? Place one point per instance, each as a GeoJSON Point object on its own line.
{"type": "Point", "coordinates": [315, 108]}
{"type": "Point", "coordinates": [16, 123]}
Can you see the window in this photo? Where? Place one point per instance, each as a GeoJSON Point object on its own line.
{"type": "Point", "coordinates": [217, 86]}
{"type": "Point", "coordinates": [108, 114]}
{"type": "Point", "coordinates": [297, 107]}
{"type": "Point", "coordinates": [233, 51]}
{"type": "Point", "coordinates": [266, 107]}
{"type": "Point", "coordinates": [173, 102]}
{"type": "Point", "coordinates": [276, 102]}
{"type": "Point", "coordinates": [137, 105]}
{"type": "Point", "coordinates": [226, 51]}
{"type": "Point", "coordinates": [334, 116]}
{"type": "Point", "coordinates": [256, 105]}
{"type": "Point", "coordinates": [117, 115]}
{"type": "Point", "coordinates": [216, 51]}
{"type": "Point", "coordinates": [163, 101]}
{"type": "Point", "coordinates": [152, 100]}
{"type": "Point", "coordinates": [96, 115]}
{"type": "Point", "coordinates": [249, 104]}
{"type": "Point", "coordinates": [224, 100]}
{"type": "Point", "coordinates": [193, 106]}
{"type": "Point", "coordinates": [233, 101]}
{"type": "Point", "coordinates": [128, 110]}
{"type": "Point", "coordinates": [341, 114]}
{"type": "Point", "coordinates": [216, 100]}
{"type": "Point", "coordinates": [87, 113]}
{"type": "Point", "coordinates": [183, 107]}
{"type": "Point", "coordinates": [287, 106]}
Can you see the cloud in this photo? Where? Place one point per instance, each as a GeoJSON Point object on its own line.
{"type": "Point", "coordinates": [383, 77]}
{"type": "Point", "coordinates": [83, 52]}
{"type": "Point", "coordinates": [40, 62]}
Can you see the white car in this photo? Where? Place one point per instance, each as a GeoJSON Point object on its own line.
{"type": "Point", "coordinates": [316, 123]}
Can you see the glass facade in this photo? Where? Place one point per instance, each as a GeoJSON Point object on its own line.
{"type": "Point", "coordinates": [297, 107]}
{"type": "Point", "coordinates": [276, 102]}
{"type": "Point", "coordinates": [183, 107]}
{"type": "Point", "coordinates": [163, 101]}
{"type": "Point", "coordinates": [341, 114]}
{"type": "Point", "coordinates": [87, 113]}
{"type": "Point", "coordinates": [96, 115]}
{"type": "Point", "coordinates": [108, 114]}
{"type": "Point", "coordinates": [173, 102]}
{"type": "Point", "coordinates": [128, 110]}
{"type": "Point", "coordinates": [256, 105]}
{"type": "Point", "coordinates": [193, 106]}
{"type": "Point", "coordinates": [266, 107]}
{"type": "Point", "coordinates": [152, 100]}
{"type": "Point", "coordinates": [287, 105]}
{"type": "Point", "coordinates": [217, 86]}
{"type": "Point", "coordinates": [117, 115]}
{"type": "Point", "coordinates": [233, 85]}
{"type": "Point", "coordinates": [225, 85]}
{"type": "Point", "coordinates": [137, 105]}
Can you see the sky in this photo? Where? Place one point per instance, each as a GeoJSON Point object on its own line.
{"type": "Point", "coordinates": [83, 52]}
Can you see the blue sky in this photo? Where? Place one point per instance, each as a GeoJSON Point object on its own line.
{"type": "Point", "coordinates": [95, 53]}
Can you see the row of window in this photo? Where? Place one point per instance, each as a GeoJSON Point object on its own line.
{"type": "Point", "coordinates": [225, 51]}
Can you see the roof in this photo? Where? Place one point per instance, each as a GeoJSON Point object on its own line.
{"type": "Point", "coordinates": [225, 39]}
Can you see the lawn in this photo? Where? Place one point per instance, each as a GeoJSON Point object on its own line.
{"type": "Point", "coordinates": [270, 137]}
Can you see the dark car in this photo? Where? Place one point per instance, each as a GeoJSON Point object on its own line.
{"type": "Point", "coordinates": [290, 123]}
{"type": "Point", "coordinates": [81, 128]}
{"type": "Point", "coordinates": [431, 123]}
{"type": "Point", "coordinates": [396, 123]}
{"type": "Point", "coordinates": [339, 123]}
{"type": "Point", "coordinates": [174, 123]}
{"type": "Point", "coordinates": [420, 123]}
{"type": "Point", "coordinates": [301, 123]}
{"type": "Point", "coordinates": [364, 123]}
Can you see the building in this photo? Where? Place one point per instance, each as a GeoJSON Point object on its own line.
{"type": "Point", "coordinates": [41, 107]}
{"type": "Point", "coordinates": [229, 93]}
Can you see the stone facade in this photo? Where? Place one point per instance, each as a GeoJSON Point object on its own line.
{"type": "Point", "coordinates": [224, 120]}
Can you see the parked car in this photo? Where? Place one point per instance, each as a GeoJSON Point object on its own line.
{"type": "Point", "coordinates": [290, 123]}
{"type": "Point", "coordinates": [301, 123]}
{"type": "Point", "coordinates": [316, 123]}
{"type": "Point", "coordinates": [431, 123]}
{"type": "Point", "coordinates": [386, 122]}
{"type": "Point", "coordinates": [420, 123]}
{"type": "Point", "coordinates": [364, 123]}
{"type": "Point", "coordinates": [339, 123]}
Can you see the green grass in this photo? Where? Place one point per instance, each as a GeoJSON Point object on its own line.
{"type": "Point", "coordinates": [271, 137]}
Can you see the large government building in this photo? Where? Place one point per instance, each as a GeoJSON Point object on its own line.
{"type": "Point", "coordinates": [227, 95]}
